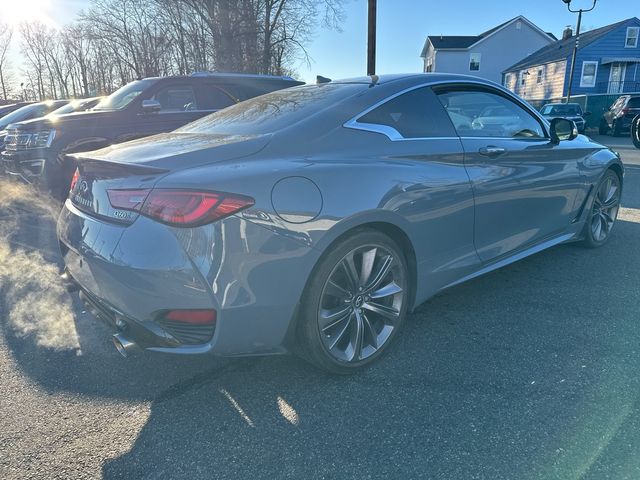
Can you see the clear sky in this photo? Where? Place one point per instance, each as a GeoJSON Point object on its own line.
{"type": "Point", "coordinates": [402, 26]}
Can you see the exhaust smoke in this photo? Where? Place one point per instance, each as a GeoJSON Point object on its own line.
{"type": "Point", "coordinates": [33, 298]}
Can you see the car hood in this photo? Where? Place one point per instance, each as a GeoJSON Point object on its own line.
{"type": "Point", "coordinates": [68, 120]}
{"type": "Point", "coordinates": [179, 150]}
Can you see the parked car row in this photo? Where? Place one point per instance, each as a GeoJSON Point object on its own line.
{"type": "Point", "coordinates": [615, 121]}
{"type": "Point", "coordinates": [312, 219]}
{"type": "Point", "coordinates": [37, 150]}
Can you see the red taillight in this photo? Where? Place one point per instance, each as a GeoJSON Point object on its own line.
{"type": "Point", "coordinates": [193, 317]}
{"type": "Point", "coordinates": [183, 208]}
{"type": "Point", "coordinates": [127, 199]}
{"type": "Point", "coordinates": [74, 179]}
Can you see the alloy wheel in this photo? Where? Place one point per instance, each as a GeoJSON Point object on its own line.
{"type": "Point", "coordinates": [605, 208]}
{"type": "Point", "coordinates": [361, 303]}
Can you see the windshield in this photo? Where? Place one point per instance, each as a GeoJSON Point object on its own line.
{"type": "Point", "coordinates": [273, 111]}
{"type": "Point", "coordinates": [124, 96]}
{"type": "Point", "coordinates": [24, 113]}
{"type": "Point", "coordinates": [566, 109]}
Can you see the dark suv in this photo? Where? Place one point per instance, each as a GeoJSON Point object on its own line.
{"type": "Point", "coordinates": [618, 118]}
{"type": "Point", "coordinates": [36, 150]}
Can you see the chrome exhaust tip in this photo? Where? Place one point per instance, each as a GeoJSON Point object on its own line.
{"type": "Point", "coordinates": [123, 345]}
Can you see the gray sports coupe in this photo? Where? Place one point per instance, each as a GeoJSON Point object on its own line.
{"type": "Point", "coordinates": [313, 219]}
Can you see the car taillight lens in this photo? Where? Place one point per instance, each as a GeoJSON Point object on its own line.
{"type": "Point", "coordinates": [127, 199]}
{"type": "Point", "coordinates": [182, 208]}
{"type": "Point", "coordinates": [74, 179]}
{"type": "Point", "coordinates": [192, 317]}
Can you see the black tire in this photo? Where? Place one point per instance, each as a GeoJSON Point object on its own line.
{"type": "Point", "coordinates": [603, 128]}
{"type": "Point", "coordinates": [589, 238]}
{"type": "Point", "coordinates": [616, 129]}
{"type": "Point", "coordinates": [635, 131]}
{"type": "Point", "coordinates": [313, 340]}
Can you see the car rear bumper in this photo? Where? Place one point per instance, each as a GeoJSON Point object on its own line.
{"type": "Point", "coordinates": [252, 276]}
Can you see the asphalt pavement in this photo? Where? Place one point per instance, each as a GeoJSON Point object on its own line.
{"type": "Point", "coordinates": [530, 372]}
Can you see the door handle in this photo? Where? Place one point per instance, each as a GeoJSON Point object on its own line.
{"type": "Point", "coordinates": [491, 151]}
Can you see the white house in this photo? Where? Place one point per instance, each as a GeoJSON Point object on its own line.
{"type": "Point", "coordinates": [486, 55]}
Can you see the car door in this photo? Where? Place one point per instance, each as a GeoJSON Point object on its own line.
{"type": "Point", "coordinates": [424, 162]}
{"type": "Point", "coordinates": [524, 185]}
{"type": "Point", "coordinates": [178, 106]}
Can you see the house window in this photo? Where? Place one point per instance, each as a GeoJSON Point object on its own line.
{"type": "Point", "coordinates": [589, 72]}
{"type": "Point", "coordinates": [474, 62]}
{"type": "Point", "coordinates": [523, 79]}
{"type": "Point", "coordinates": [428, 65]}
{"type": "Point", "coordinates": [632, 37]}
{"type": "Point", "coordinates": [540, 76]}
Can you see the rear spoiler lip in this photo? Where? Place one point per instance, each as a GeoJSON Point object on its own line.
{"type": "Point", "coordinates": [132, 167]}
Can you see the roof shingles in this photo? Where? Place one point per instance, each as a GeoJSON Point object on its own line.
{"type": "Point", "coordinates": [562, 49]}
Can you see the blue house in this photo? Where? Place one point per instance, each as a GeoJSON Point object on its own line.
{"type": "Point", "coordinates": [607, 62]}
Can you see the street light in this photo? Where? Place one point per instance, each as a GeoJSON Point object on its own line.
{"type": "Point", "coordinates": [575, 45]}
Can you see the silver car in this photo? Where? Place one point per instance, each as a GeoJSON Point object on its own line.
{"type": "Point", "coordinates": [314, 219]}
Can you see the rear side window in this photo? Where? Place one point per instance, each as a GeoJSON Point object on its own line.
{"type": "Point", "coordinates": [415, 114]}
{"type": "Point", "coordinates": [216, 98]}
{"type": "Point", "coordinates": [176, 98]}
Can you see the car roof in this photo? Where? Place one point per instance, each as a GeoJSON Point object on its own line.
{"type": "Point", "coordinates": [431, 77]}
{"type": "Point", "coordinates": [236, 77]}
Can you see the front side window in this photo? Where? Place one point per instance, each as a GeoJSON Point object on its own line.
{"type": "Point", "coordinates": [176, 98]}
{"type": "Point", "coordinates": [474, 62]}
{"type": "Point", "coordinates": [482, 113]}
{"type": "Point", "coordinates": [415, 114]}
{"type": "Point", "coordinates": [631, 40]}
{"type": "Point", "coordinates": [589, 72]}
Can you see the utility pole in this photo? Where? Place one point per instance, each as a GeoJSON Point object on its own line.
{"type": "Point", "coordinates": [576, 43]}
{"type": "Point", "coordinates": [371, 48]}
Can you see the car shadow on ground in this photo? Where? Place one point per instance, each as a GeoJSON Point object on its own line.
{"type": "Point", "coordinates": [528, 372]}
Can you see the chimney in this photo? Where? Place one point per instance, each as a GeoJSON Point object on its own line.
{"type": "Point", "coordinates": [567, 33]}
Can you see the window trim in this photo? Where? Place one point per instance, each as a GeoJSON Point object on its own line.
{"type": "Point", "coordinates": [540, 76]}
{"type": "Point", "coordinates": [395, 136]}
{"type": "Point", "coordinates": [595, 74]}
{"type": "Point", "coordinates": [626, 38]}
{"type": "Point", "coordinates": [479, 62]}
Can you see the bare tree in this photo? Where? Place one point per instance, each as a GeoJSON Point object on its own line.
{"type": "Point", "coordinates": [116, 41]}
{"type": "Point", "coordinates": [6, 34]}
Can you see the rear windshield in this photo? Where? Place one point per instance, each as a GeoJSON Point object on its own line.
{"type": "Point", "coordinates": [273, 111]}
{"type": "Point", "coordinates": [124, 96]}
{"type": "Point", "coordinates": [568, 109]}
{"type": "Point", "coordinates": [634, 102]}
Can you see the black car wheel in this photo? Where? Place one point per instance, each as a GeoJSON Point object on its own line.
{"type": "Point", "coordinates": [604, 210]}
{"type": "Point", "coordinates": [635, 131]}
{"type": "Point", "coordinates": [354, 303]}
{"type": "Point", "coordinates": [603, 128]}
{"type": "Point", "coordinates": [616, 128]}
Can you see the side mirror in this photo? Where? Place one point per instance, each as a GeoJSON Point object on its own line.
{"type": "Point", "coordinates": [563, 129]}
{"type": "Point", "coordinates": [151, 106]}
{"type": "Point", "coordinates": [586, 114]}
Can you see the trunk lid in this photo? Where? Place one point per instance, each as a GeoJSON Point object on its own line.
{"type": "Point", "coordinates": [138, 165]}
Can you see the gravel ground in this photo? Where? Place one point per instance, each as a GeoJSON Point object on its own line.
{"type": "Point", "coordinates": [529, 372]}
